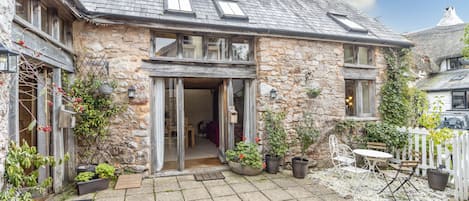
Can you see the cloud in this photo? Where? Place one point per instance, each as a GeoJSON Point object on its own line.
{"type": "Point", "coordinates": [362, 4]}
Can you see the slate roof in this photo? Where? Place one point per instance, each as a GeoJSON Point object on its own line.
{"type": "Point", "coordinates": [444, 81]}
{"type": "Point", "coordinates": [305, 18]}
{"type": "Point", "coordinates": [438, 43]}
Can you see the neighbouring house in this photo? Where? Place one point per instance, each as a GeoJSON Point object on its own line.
{"type": "Point", "coordinates": [439, 53]}
{"type": "Point", "coordinates": [205, 71]}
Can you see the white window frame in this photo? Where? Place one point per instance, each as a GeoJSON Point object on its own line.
{"type": "Point", "coordinates": [232, 14]}
{"type": "Point", "coordinates": [179, 9]}
{"type": "Point", "coordinates": [347, 23]}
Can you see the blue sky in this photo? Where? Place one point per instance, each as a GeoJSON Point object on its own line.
{"type": "Point", "coordinates": [410, 15]}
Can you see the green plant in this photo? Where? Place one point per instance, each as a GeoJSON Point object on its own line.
{"type": "Point", "coordinates": [431, 120]}
{"type": "Point", "coordinates": [105, 171]}
{"type": "Point", "coordinates": [276, 134]}
{"type": "Point", "coordinates": [465, 39]}
{"type": "Point", "coordinates": [247, 154]}
{"type": "Point", "coordinates": [385, 133]}
{"type": "Point", "coordinates": [22, 165]}
{"type": "Point", "coordinates": [418, 104]}
{"type": "Point", "coordinates": [313, 92]}
{"type": "Point", "coordinates": [307, 133]}
{"type": "Point", "coordinates": [84, 176]}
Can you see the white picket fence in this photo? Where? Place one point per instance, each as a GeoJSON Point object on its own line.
{"type": "Point", "coordinates": [457, 165]}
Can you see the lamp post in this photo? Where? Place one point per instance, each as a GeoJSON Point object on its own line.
{"type": "Point", "coordinates": [8, 60]}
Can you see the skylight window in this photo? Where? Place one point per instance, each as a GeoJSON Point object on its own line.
{"type": "Point", "coordinates": [350, 25]}
{"type": "Point", "coordinates": [230, 9]}
{"type": "Point", "coordinates": [179, 5]}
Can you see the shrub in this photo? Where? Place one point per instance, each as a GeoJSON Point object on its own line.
{"type": "Point", "coordinates": [247, 154]}
{"type": "Point", "coordinates": [84, 176]}
{"type": "Point", "coordinates": [105, 171]}
{"type": "Point", "coordinates": [385, 133]}
{"type": "Point", "coordinates": [307, 133]}
{"type": "Point", "coordinates": [276, 134]}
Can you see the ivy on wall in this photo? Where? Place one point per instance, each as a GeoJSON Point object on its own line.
{"type": "Point", "coordinates": [466, 41]}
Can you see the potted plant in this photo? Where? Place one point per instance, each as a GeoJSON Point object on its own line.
{"type": "Point", "coordinates": [313, 92]}
{"type": "Point", "coordinates": [276, 141]}
{"type": "Point", "coordinates": [307, 135]}
{"type": "Point", "coordinates": [245, 159]}
{"type": "Point", "coordinates": [437, 177]}
{"type": "Point", "coordinates": [89, 182]}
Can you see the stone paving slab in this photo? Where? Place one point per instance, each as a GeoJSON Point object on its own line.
{"type": "Point", "coordinates": [264, 187]}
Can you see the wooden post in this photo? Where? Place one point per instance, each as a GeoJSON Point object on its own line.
{"type": "Point", "coordinates": [221, 121]}
{"type": "Point", "coordinates": [13, 114]}
{"type": "Point", "coordinates": [70, 145]}
{"type": "Point", "coordinates": [230, 100]}
{"type": "Point", "coordinates": [42, 137]}
{"type": "Point", "coordinates": [180, 123]}
{"type": "Point", "coordinates": [247, 116]}
{"type": "Point", "coordinates": [157, 119]}
{"type": "Point", "coordinates": [57, 137]}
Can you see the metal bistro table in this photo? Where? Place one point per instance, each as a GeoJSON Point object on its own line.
{"type": "Point", "coordinates": [372, 157]}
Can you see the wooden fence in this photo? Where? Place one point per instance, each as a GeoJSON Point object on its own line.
{"type": "Point", "coordinates": [456, 161]}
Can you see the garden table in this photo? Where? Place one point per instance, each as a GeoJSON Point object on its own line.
{"type": "Point", "coordinates": [372, 157]}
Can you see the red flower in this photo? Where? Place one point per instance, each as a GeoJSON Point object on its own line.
{"type": "Point", "coordinates": [81, 108]}
{"type": "Point", "coordinates": [264, 165]}
{"type": "Point", "coordinates": [244, 138]}
{"type": "Point", "coordinates": [21, 42]}
{"type": "Point", "coordinates": [241, 156]}
{"type": "Point", "coordinates": [258, 140]}
{"type": "Point", "coordinates": [45, 129]}
{"type": "Point", "coordinates": [50, 103]}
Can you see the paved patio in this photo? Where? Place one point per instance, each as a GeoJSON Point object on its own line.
{"type": "Point", "coordinates": [264, 187]}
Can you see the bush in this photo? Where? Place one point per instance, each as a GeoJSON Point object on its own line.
{"type": "Point", "coordinates": [105, 171]}
{"type": "Point", "coordinates": [307, 133]}
{"type": "Point", "coordinates": [385, 133]}
{"type": "Point", "coordinates": [84, 176]}
{"type": "Point", "coordinates": [247, 154]}
{"type": "Point", "coordinates": [276, 134]}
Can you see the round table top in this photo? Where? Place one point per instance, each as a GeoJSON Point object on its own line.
{"type": "Point", "coordinates": [372, 153]}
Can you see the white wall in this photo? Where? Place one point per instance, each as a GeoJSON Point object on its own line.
{"type": "Point", "coordinates": [444, 96]}
{"type": "Point", "coordinates": [198, 106]}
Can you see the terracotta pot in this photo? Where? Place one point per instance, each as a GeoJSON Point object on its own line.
{"type": "Point", "coordinates": [92, 186]}
{"type": "Point", "coordinates": [244, 170]}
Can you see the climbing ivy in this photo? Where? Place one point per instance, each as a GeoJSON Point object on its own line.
{"type": "Point", "coordinates": [394, 106]}
{"type": "Point", "coordinates": [465, 51]}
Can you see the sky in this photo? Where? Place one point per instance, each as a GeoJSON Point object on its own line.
{"type": "Point", "coordinates": [411, 15]}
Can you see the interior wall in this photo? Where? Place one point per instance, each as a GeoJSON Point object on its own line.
{"type": "Point", "coordinates": [198, 106]}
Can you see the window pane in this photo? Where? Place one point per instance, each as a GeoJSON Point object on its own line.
{"type": "Point", "coordinates": [240, 49]}
{"type": "Point", "coordinates": [363, 55]}
{"type": "Point", "coordinates": [350, 98]}
{"type": "Point", "coordinates": [217, 49]}
{"type": "Point", "coordinates": [349, 23]}
{"type": "Point", "coordinates": [165, 45]}
{"type": "Point", "coordinates": [56, 28]}
{"type": "Point", "coordinates": [235, 8]}
{"type": "Point", "coordinates": [173, 4]}
{"type": "Point", "coordinates": [22, 9]}
{"type": "Point", "coordinates": [458, 100]}
{"type": "Point", "coordinates": [61, 31]}
{"type": "Point", "coordinates": [349, 56]}
{"type": "Point", "coordinates": [454, 63]}
{"type": "Point", "coordinates": [36, 14]}
{"type": "Point", "coordinates": [185, 5]}
{"type": "Point", "coordinates": [366, 103]}
{"type": "Point", "coordinates": [226, 8]}
{"type": "Point", "coordinates": [44, 20]}
{"type": "Point", "coordinates": [192, 47]}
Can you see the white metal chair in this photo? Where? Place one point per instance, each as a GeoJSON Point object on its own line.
{"type": "Point", "coordinates": [343, 157]}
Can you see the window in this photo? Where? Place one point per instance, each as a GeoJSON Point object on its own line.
{"type": "Point", "coordinates": [36, 14]}
{"type": "Point", "coordinates": [192, 47]}
{"type": "Point", "coordinates": [348, 24]}
{"type": "Point", "coordinates": [460, 100]}
{"type": "Point", "coordinates": [22, 7]}
{"type": "Point", "coordinates": [44, 19]}
{"type": "Point", "coordinates": [217, 49]}
{"type": "Point", "coordinates": [68, 34]}
{"type": "Point", "coordinates": [230, 9]}
{"type": "Point", "coordinates": [454, 63]}
{"type": "Point", "coordinates": [360, 55]}
{"type": "Point", "coordinates": [359, 98]}
{"type": "Point", "coordinates": [57, 27]}
{"type": "Point", "coordinates": [240, 49]}
{"type": "Point", "coordinates": [179, 5]}
{"type": "Point", "coordinates": [165, 45]}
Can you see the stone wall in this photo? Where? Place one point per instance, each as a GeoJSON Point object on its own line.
{"type": "Point", "coordinates": [124, 48]}
{"type": "Point", "coordinates": [290, 66]}
{"type": "Point", "coordinates": [7, 11]}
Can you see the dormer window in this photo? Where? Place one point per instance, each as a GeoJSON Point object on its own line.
{"type": "Point", "coordinates": [230, 9]}
{"type": "Point", "coordinates": [347, 23]}
{"type": "Point", "coordinates": [179, 5]}
{"type": "Point", "coordinates": [456, 63]}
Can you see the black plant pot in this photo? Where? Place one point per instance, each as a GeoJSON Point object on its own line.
{"type": "Point", "coordinates": [272, 164]}
{"type": "Point", "coordinates": [92, 186]}
{"type": "Point", "coordinates": [300, 167]}
{"type": "Point", "coordinates": [437, 180]}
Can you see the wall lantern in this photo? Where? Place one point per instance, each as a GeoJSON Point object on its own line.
{"type": "Point", "coordinates": [273, 94]}
{"type": "Point", "coordinates": [132, 92]}
{"type": "Point", "coordinates": [8, 60]}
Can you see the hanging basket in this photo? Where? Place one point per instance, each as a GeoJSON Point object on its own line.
{"type": "Point", "coordinates": [105, 89]}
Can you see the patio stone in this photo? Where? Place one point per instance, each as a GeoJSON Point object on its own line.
{"type": "Point", "coordinates": [110, 194]}
{"type": "Point", "coordinates": [256, 178]}
{"type": "Point", "coordinates": [299, 192]}
{"type": "Point", "coordinates": [319, 189]}
{"type": "Point", "coordinates": [139, 191]}
{"type": "Point", "coordinates": [275, 176]}
{"type": "Point", "coordinates": [234, 179]}
{"type": "Point", "coordinates": [243, 188]}
{"type": "Point", "coordinates": [141, 197]}
{"type": "Point", "coordinates": [146, 182]}
{"type": "Point", "coordinates": [253, 196]}
{"type": "Point", "coordinates": [332, 197]}
{"type": "Point", "coordinates": [277, 194]}
{"type": "Point", "coordinates": [264, 184]}
{"type": "Point", "coordinates": [191, 184]}
{"type": "Point", "coordinates": [169, 196]}
{"type": "Point", "coordinates": [311, 199]}
{"type": "Point", "coordinates": [227, 198]}
{"type": "Point", "coordinates": [228, 173]}
{"type": "Point", "coordinates": [217, 182]}
{"type": "Point", "coordinates": [285, 182]}
{"type": "Point", "coordinates": [220, 191]}
{"type": "Point", "coordinates": [185, 178]}
{"type": "Point", "coordinates": [166, 186]}
{"type": "Point", "coordinates": [110, 199]}
{"type": "Point", "coordinates": [195, 194]}
{"type": "Point", "coordinates": [305, 181]}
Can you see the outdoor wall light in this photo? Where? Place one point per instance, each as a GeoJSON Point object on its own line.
{"type": "Point", "coordinates": [8, 60]}
{"type": "Point", "coordinates": [132, 92]}
{"type": "Point", "coordinates": [273, 94]}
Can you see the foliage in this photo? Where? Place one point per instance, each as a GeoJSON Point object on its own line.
{"type": "Point", "coordinates": [307, 133]}
{"type": "Point", "coordinates": [313, 92]}
{"type": "Point", "coordinates": [465, 51]}
{"type": "Point", "coordinates": [247, 154]}
{"type": "Point", "coordinates": [394, 106]}
{"type": "Point", "coordinates": [276, 134]}
{"type": "Point", "coordinates": [22, 170]}
{"type": "Point", "coordinates": [385, 133]}
{"type": "Point", "coordinates": [105, 170]}
{"type": "Point", "coordinates": [418, 104]}
{"type": "Point", "coordinates": [84, 176]}
{"type": "Point", "coordinates": [431, 120]}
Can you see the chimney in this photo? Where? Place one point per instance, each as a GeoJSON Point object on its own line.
{"type": "Point", "coordinates": [450, 18]}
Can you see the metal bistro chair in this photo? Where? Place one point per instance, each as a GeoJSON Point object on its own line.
{"type": "Point", "coordinates": [404, 172]}
{"type": "Point", "coordinates": [343, 157]}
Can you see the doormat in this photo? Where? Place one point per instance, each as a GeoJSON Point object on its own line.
{"type": "Point", "coordinates": [208, 176]}
{"type": "Point", "coordinates": [129, 181]}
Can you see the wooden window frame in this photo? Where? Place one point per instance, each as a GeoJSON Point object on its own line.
{"type": "Point", "coordinates": [356, 60]}
{"type": "Point", "coordinates": [27, 10]}
{"type": "Point", "coordinates": [358, 99]}
{"type": "Point", "coordinates": [465, 102]}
